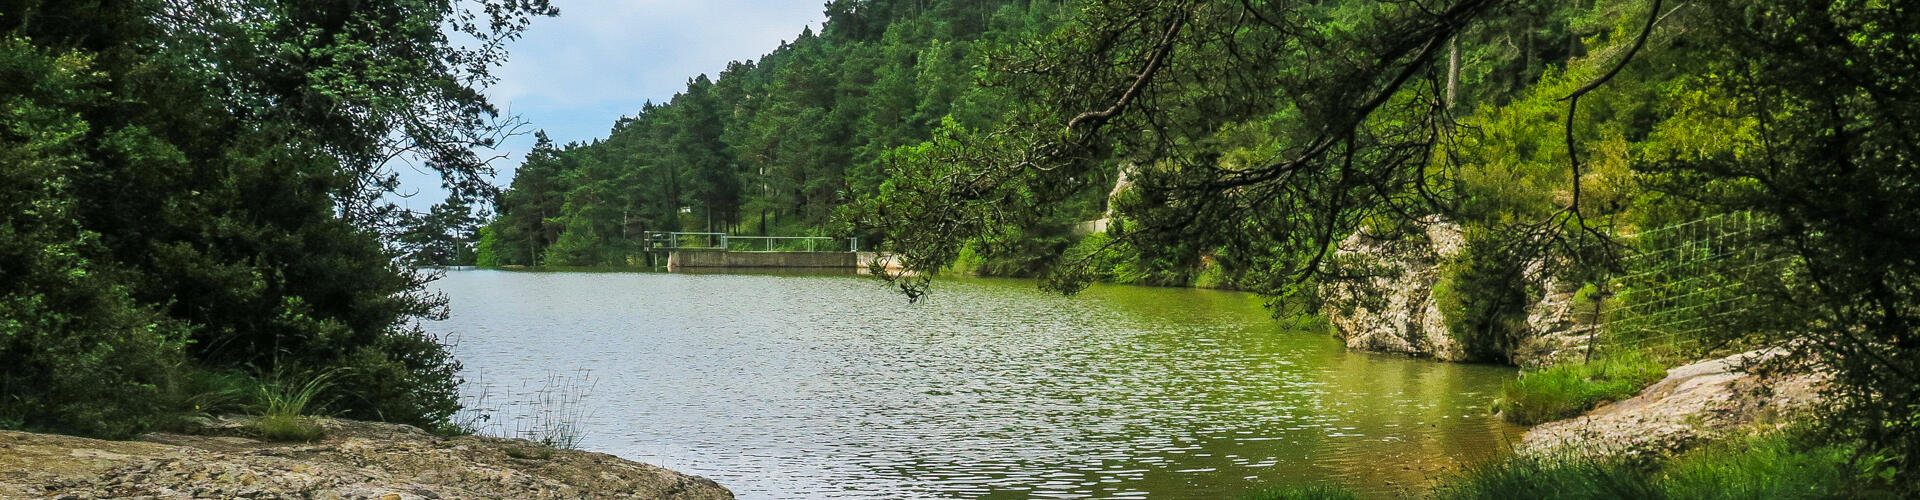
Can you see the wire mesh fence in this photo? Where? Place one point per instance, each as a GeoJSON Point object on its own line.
{"type": "Point", "coordinates": [1690, 287]}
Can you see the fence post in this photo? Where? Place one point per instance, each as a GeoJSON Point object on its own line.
{"type": "Point", "coordinates": [723, 241]}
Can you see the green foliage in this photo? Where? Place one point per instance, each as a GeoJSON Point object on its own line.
{"type": "Point", "coordinates": [1314, 492]}
{"type": "Point", "coordinates": [774, 146]}
{"type": "Point", "coordinates": [202, 188]}
{"type": "Point", "coordinates": [283, 394]}
{"type": "Point", "coordinates": [1211, 275]}
{"type": "Point", "coordinates": [1482, 293]}
{"type": "Point", "coordinates": [286, 428]}
{"type": "Point", "coordinates": [1826, 92]}
{"type": "Point", "coordinates": [284, 402]}
{"type": "Point", "coordinates": [78, 352]}
{"type": "Point", "coordinates": [1534, 477]}
{"type": "Point", "coordinates": [1781, 464]}
{"type": "Point", "coordinates": [1569, 389]}
{"type": "Point", "coordinates": [194, 394]}
{"type": "Point", "coordinates": [486, 252]}
{"type": "Point", "coordinates": [444, 236]}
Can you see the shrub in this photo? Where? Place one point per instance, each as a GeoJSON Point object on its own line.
{"type": "Point", "coordinates": [969, 263]}
{"type": "Point", "coordinates": [1482, 293]}
{"type": "Point", "coordinates": [406, 377]}
{"type": "Point", "coordinates": [1567, 390]}
{"type": "Point", "coordinates": [191, 393]}
{"type": "Point", "coordinates": [1211, 275]}
{"type": "Point", "coordinates": [157, 214]}
{"type": "Point", "coordinates": [79, 353]}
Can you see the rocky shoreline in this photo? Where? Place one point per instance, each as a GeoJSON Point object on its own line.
{"type": "Point", "coordinates": [355, 460]}
{"type": "Point", "coordinates": [1694, 404]}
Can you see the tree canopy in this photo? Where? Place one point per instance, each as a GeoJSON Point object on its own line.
{"type": "Point", "coordinates": [194, 188]}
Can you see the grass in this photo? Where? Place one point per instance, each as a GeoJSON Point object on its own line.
{"type": "Point", "coordinates": [557, 415]}
{"type": "Point", "coordinates": [191, 395]}
{"type": "Point", "coordinates": [1782, 465]}
{"type": "Point", "coordinates": [284, 402]}
{"type": "Point", "coordinates": [1571, 479]}
{"type": "Point", "coordinates": [287, 429]}
{"type": "Point", "coordinates": [553, 414]}
{"type": "Point", "coordinates": [1312, 492]}
{"type": "Point", "coordinates": [1778, 465]}
{"type": "Point", "coordinates": [1566, 390]}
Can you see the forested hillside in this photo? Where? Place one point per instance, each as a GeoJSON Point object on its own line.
{"type": "Point", "coordinates": [820, 124]}
{"type": "Point", "coordinates": [772, 146]}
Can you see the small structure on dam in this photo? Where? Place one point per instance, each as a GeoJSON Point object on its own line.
{"type": "Point", "coordinates": [680, 251]}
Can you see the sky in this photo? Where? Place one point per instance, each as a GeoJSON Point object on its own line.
{"type": "Point", "coordinates": [573, 75]}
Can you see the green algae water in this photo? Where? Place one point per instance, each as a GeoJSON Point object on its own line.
{"type": "Point", "coordinates": [834, 387]}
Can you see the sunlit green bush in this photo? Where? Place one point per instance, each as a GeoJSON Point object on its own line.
{"type": "Point", "coordinates": [1567, 390]}
{"type": "Point", "coordinates": [1483, 296]}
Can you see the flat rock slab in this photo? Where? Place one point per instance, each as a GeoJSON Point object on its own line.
{"type": "Point", "coordinates": [356, 460]}
{"type": "Point", "coordinates": [1693, 403]}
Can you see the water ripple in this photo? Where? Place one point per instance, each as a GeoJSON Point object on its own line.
{"type": "Point", "coordinates": [832, 387]}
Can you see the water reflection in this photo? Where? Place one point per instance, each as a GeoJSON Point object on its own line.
{"type": "Point", "coordinates": [800, 386]}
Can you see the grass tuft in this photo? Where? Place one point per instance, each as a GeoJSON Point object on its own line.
{"type": "Point", "coordinates": [283, 428]}
{"type": "Point", "coordinates": [1571, 479]}
{"type": "Point", "coordinates": [1567, 390]}
{"type": "Point", "coordinates": [284, 402]}
{"type": "Point", "coordinates": [1310, 492]}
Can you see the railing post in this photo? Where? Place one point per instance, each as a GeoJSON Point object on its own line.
{"type": "Point", "coordinates": [723, 241]}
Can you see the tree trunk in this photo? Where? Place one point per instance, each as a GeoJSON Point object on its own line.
{"type": "Point", "coordinates": [1453, 72]}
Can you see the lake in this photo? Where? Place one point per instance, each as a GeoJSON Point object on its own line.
{"type": "Point", "coordinates": [787, 386]}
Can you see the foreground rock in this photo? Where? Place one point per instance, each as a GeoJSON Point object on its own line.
{"type": "Point", "coordinates": [1695, 403]}
{"type": "Point", "coordinates": [356, 460]}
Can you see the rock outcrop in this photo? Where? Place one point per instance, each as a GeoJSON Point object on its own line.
{"type": "Point", "coordinates": [355, 460]}
{"type": "Point", "coordinates": [1392, 309]}
{"type": "Point", "coordinates": [1554, 333]}
{"type": "Point", "coordinates": [1693, 404]}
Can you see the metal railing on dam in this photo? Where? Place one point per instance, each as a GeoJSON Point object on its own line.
{"type": "Point", "coordinates": [686, 250]}
{"type": "Point", "coordinates": [678, 240]}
